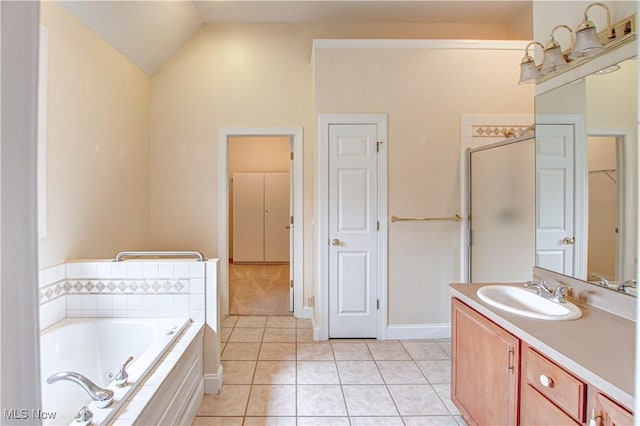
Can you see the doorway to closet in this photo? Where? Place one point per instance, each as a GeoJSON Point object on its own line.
{"type": "Point", "coordinates": [296, 170]}
{"type": "Point", "coordinates": [260, 211]}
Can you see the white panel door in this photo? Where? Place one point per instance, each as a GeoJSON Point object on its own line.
{"type": "Point", "coordinates": [248, 217]}
{"type": "Point", "coordinates": [555, 195]}
{"type": "Point", "coordinates": [276, 211]}
{"type": "Point", "coordinates": [353, 249]}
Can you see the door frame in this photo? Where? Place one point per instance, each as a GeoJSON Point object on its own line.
{"type": "Point", "coordinates": [297, 173]}
{"type": "Point", "coordinates": [322, 195]}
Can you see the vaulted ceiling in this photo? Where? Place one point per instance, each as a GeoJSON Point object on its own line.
{"type": "Point", "coordinates": [150, 32]}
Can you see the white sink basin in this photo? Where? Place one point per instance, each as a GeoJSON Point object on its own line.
{"type": "Point", "coordinates": [522, 301]}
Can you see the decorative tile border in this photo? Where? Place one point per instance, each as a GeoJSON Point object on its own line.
{"type": "Point", "coordinates": [477, 130]}
{"type": "Point", "coordinates": [52, 291]}
{"type": "Point", "coordinates": [507, 131]}
{"type": "Point", "coordinates": [65, 287]}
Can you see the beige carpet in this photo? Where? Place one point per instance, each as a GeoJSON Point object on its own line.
{"type": "Point", "coordinates": [259, 290]}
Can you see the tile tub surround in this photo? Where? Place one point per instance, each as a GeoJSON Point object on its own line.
{"type": "Point", "coordinates": [104, 288]}
{"type": "Point", "coordinates": [581, 346]}
{"type": "Point", "coordinates": [286, 378]}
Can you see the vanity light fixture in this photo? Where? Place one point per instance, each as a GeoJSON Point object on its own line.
{"type": "Point", "coordinates": [587, 41]}
{"type": "Point", "coordinates": [528, 71]}
{"type": "Point", "coordinates": [554, 59]}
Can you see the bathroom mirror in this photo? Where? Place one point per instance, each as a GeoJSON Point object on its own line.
{"type": "Point", "coordinates": [586, 168]}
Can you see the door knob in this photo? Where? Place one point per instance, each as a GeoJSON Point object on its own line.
{"type": "Point", "coordinates": [569, 240]}
{"type": "Point", "coordinates": [287, 227]}
{"type": "Point", "coordinates": [336, 242]}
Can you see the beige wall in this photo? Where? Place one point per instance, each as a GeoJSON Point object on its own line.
{"type": "Point", "coordinates": [255, 154]}
{"type": "Point", "coordinates": [245, 75]}
{"type": "Point", "coordinates": [258, 154]}
{"type": "Point", "coordinates": [97, 145]}
{"type": "Point", "coordinates": [521, 26]}
{"type": "Point", "coordinates": [423, 92]}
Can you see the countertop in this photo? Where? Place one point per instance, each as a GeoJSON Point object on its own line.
{"type": "Point", "coordinates": [599, 347]}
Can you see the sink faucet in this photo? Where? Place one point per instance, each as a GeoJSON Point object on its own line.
{"type": "Point", "coordinates": [625, 285]}
{"type": "Point", "coordinates": [540, 287]}
{"type": "Point", "coordinates": [603, 282]}
{"type": "Point", "coordinates": [557, 295]}
{"type": "Point", "coordinates": [103, 397]}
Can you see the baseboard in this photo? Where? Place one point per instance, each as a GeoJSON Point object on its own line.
{"type": "Point", "coordinates": [418, 331]}
{"type": "Point", "coordinates": [307, 313]}
{"type": "Point", "coordinates": [213, 382]}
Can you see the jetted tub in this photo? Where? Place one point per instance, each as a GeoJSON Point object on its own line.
{"type": "Point", "coordinates": [97, 348]}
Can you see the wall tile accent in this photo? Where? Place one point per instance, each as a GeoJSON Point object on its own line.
{"type": "Point", "coordinates": [123, 289]}
{"type": "Point", "coordinates": [506, 131]}
{"type": "Point", "coordinates": [478, 130]}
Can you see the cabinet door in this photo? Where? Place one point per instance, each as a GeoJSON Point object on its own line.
{"type": "Point", "coordinates": [248, 217]}
{"type": "Point", "coordinates": [537, 410]}
{"type": "Point", "coordinates": [276, 211]}
{"type": "Point", "coordinates": [485, 368]}
{"type": "Point", "coordinates": [612, 414]}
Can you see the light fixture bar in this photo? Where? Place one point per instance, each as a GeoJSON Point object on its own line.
{"type": "Point", "coordinates": [621, 28]}
{"type": "Point", "coordinates": [625, 33]}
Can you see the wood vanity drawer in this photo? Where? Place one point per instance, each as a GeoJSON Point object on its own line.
{"type": "Point", "coordinates": [556, 384]}
{"type": "Point", "coordinates": [536, 410]}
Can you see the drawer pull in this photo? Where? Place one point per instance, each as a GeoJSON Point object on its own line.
{"type": "Point", "coordinates": [546, 381]}
{"type": "Point", "coordinates": [510, 354]}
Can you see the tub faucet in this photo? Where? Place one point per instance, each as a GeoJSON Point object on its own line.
{"type": "Point", "coordinates": [122, 376]}
{"type": "Point", "coordinates": [103, 397]}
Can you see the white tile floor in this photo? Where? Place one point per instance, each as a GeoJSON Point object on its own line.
{"type": "Point", "coordinates": [275, 374]}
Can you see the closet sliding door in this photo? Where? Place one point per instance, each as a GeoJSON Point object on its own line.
{"type": "Point", "coordinates": [248, 217]}
{"type": "Point", "coordinates": [276, 224]}
{"type": "Point", "coordinates": [261, 217]}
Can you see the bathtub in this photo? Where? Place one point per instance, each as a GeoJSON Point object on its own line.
{"type": "Point", "coordinates": [96, 348]}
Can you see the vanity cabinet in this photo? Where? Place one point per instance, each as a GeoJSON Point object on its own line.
{"type": "Point", "coordinates": [498, 379]}
{"type": "Point", "coordinates": [611, 414]}
{"type": "Point", "coordinates": [484, 382]}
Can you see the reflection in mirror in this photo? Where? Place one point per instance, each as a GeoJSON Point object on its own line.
{"type": "Point", "coordinates": [586, 193]}
{"type": "Point", "coordinates": [604, 200]}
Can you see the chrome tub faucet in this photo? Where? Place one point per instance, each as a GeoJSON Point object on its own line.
{"type": "Point", "coordinates": [102, 397]}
